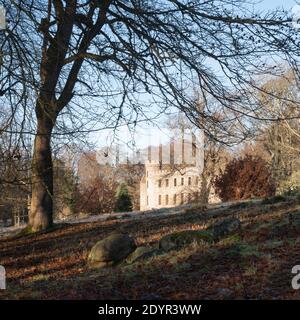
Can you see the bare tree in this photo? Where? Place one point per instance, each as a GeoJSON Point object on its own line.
{"type": "Point", "coordinates": [14, 177]}
{"type": "Point", "coordinates": [74, 66]}
{"type": "Point", "coordinates": [281, 138]}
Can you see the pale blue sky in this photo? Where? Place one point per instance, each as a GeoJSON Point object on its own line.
{"type": "Point", "coordinates": [271, 4]}
{"type": "Point", "coordinates": [151, 134]}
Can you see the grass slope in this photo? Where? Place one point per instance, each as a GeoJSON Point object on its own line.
{"type": "Point", "coordinates": [254, 263]}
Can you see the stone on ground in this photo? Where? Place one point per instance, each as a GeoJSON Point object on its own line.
{"type": "Point", "coordinates": [111, 250]}
{"type": "Point", "coordinates": [142, 253]}
{"type": "Point", "coordinates": [180, 239]}
{"type": "Point", "coordinates": [225, 227]}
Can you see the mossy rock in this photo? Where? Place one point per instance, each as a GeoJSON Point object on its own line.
{"type": "Point", "coordinates": [180, 239]}
{"type": "Point", "coordinates": [111, 250]}
{"type": "Point", "coordinates": [224, 227]}
{"type": "Point", "coordinates": [243, 250]}
{"type": "Point", "coordinates": [142, 253]}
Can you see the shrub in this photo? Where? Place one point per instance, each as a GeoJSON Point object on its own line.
{"type": "Point", "coordinates": [123, 199]}
{"type": "Point", "coordinates": [245, 178]}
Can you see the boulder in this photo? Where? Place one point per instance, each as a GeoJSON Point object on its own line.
{"type": "Point", "coordinates": [142, 253]}
{"type": "Point", "coordinates": [180, 239]}
{"type": "Point", "coordinates": [224, 227]}
{"type": "Point", "coordinates": [111, 250]}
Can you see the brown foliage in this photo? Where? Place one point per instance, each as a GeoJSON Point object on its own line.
{"type": "Point", "coordinates": [245, 178]}
{"type": "Point", "coordinates": [98, 196]}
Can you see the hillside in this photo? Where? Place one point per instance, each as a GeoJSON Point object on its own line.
{"type": "Point", "coordinates": [252, 263]}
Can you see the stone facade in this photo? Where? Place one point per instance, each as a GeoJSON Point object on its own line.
{"type": "Point", "coordinates": [173, 175]}
{"type": "Point", "coordinates": [168, 186]}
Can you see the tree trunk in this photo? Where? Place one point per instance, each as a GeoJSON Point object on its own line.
{"type": "Point", "coordinates": [41, 209]}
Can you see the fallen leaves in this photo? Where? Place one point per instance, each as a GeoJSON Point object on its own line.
{"type": "Point", "coordinates": [254, 263]}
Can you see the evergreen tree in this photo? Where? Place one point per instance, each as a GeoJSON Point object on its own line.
{"type": "Point", "coordinates": [123, 199]}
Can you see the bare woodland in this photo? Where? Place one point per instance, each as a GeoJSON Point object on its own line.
{"type": "Point", "coordinates": [69, 68]}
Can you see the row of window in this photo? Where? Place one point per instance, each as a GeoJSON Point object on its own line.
{"type": "Point", "coordinates": [160, 182]}
{"type": "Point", "coordinates": [165, 200]}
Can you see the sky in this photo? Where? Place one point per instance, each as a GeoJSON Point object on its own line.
{"type": "Point", "coordinates": [154, 135]}
{"type": "Point", "coordinates": [272, 4]}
